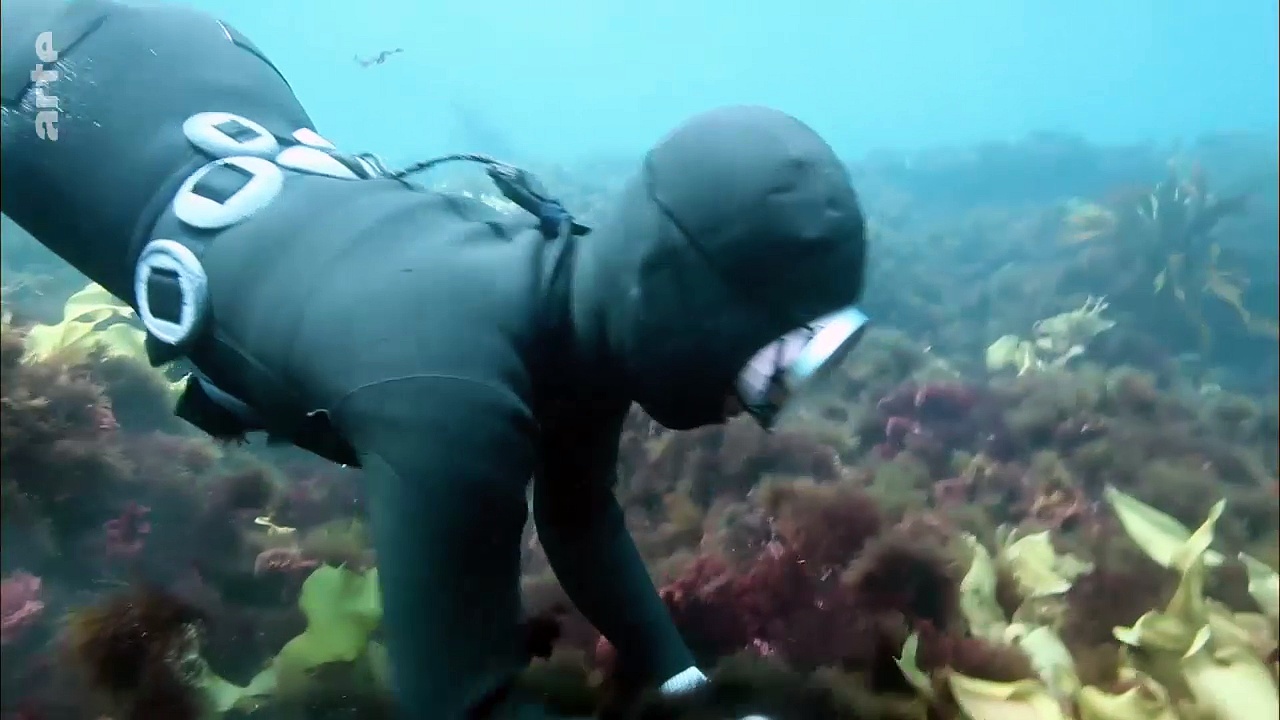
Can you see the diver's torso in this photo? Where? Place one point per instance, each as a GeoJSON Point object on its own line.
{"type": "Point", "coordinates": [340, 284]}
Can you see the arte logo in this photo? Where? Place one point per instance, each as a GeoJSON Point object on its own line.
{"type": "Point", "coordinates": [46, 102]}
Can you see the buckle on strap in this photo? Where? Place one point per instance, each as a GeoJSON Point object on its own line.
{"type": "Point", "coordinates": [245, 175]}
{"type": "Point", "coordinates": [172, 292]}
{"type": "Point", "coordinates": [227, 191]}
{"type": "Point", "coordinates": [171, 288]}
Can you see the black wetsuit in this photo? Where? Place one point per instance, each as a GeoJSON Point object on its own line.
{"type": "Point", "coordinates": [452, 352]}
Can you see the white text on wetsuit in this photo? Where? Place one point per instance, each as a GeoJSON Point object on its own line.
{"type": "Point", "coordinates": [46, 103]}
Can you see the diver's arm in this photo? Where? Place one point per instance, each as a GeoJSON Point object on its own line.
{"type": "Point", "coordinates": [581, 528]}
{"type": "Point", "coordinates": [447, 461]}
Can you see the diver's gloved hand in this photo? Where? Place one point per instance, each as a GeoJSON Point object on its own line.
{"type": "Point", "coordinates": [691, 679]}
{"type": "Point", "coordinates": [682, 682]}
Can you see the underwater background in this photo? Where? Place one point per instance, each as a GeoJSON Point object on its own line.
{"type": "Point", "coordinates": [1045, 486]}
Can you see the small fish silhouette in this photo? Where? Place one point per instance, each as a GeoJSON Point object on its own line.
{"type": "Point", "coordinates": [378, 59]}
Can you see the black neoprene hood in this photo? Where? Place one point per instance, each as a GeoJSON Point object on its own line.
{"type": "Point", "coordinates": [741, 225]}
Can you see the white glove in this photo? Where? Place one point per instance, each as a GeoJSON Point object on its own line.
{"type": "Point", "coordinates": [690, 679]}
{"type": "Point", "coordinates": [682, 682]}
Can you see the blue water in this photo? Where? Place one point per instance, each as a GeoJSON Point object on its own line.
{"type": "Point", "coordinates": [574, 78]}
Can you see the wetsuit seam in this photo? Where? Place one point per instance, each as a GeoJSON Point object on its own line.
{"type": "Point", "coordinates": [337, 405]}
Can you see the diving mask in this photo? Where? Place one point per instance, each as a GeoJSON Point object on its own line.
{"type": "Point", "coordinates": [786, 368]}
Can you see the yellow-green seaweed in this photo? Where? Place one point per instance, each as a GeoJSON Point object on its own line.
{"type": "Point", "coordinates": [1055, 340]}
{"type": "Point", "coordinates": [342, 608]}
{"type": "Point", "coordinates": [1179, 648]}
{"type": "Point", "coordinates": [93, 320]}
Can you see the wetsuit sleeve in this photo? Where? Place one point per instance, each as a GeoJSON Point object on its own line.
{"type": "Point", "coordinates": [581, 528]}
{"type": "Point", "coordinates": [447, 463]}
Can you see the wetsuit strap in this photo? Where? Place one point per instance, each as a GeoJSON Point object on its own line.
{"type": "Point", "coordinates": [247, 170]}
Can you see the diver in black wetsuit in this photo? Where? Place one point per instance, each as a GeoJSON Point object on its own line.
{"type": "Point", "coordinates": [452, 352]}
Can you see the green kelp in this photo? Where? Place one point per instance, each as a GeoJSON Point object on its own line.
{"type": "Point", "coordinates": [343, 608]}
{"type": "Point", "coordinates": [1168, 236]}
{"type": "Point", "coordinates": [1194, 659]}
{"type": "Point", "coordinates": [1085, 221]}
{"type": "Point", "coordinates": [1197, 649]}
{"type": "Point", "coordinates": [1042, 577]}
{"type": "Point", "coordinates": [1055, 340]}
{"type": "Point", "coordinates": [94, 324]}
{"type": "Point", "coordinates": [93, 320]}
